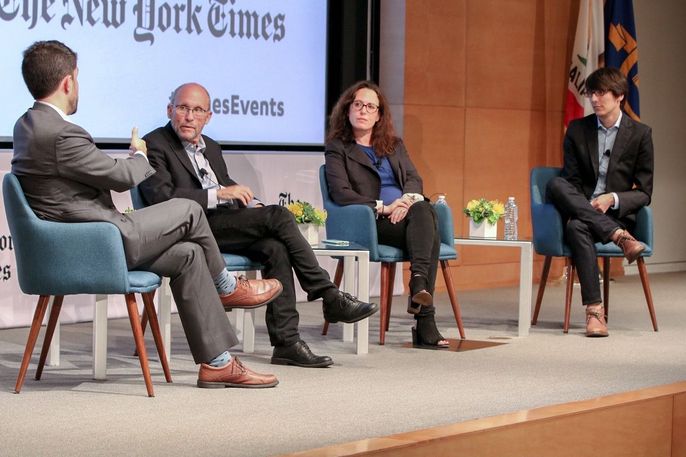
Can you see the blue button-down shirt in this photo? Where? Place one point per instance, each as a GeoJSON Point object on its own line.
{"type": "Point", "coordinates": [606, 141]}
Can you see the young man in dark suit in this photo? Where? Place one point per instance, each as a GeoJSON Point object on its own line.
{"type": "Point", "coordinates": [607, 177]}
{"type": "Point", "coordinates": [190, 165]}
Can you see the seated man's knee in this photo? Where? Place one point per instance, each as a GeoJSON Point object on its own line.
{"type": "Point", "coordinates": [187, 254]}
{"type": "Point", "coordinates": [555, 186]}
{"type": "Point", "coordinates": [187, 205]}
{"type": "Point", "coordinates": [273, 249]}
{"type": "Point", "coordinates": [280, 214]}
{"type": "Point", "coordinates": [575, 228]}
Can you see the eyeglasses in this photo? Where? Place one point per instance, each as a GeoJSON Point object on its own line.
{"type": "Point", "coordinates": [371, 107]}
{"type": "Point", "coordinates": [197, 111]}
{"type": "Point", "coordinates": [597, 93]}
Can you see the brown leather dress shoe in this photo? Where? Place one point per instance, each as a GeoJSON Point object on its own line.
{"type": "Point", "coordinates": [233, 374]}
{"type": "Point", "coordinates": [595, 321]}
{"type": "Point", "coordinates": [631, 247]}
{"type": "Point", "coordinates": [252, 293]}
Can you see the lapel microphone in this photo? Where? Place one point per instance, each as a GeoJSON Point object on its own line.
{"type": "Point", "coordinates": [205, 174]}
{"type": "Point", "coordinates": [377, 164]}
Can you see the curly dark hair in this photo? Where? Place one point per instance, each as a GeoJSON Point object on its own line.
{"type": "Point", "coordinates": [384, 138]}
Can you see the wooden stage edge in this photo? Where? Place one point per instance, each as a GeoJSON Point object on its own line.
{"type": "Point", "coordinates": [649, 422]}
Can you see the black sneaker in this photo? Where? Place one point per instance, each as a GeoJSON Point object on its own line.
{"type": "Point", "coordinates": [343, 307]}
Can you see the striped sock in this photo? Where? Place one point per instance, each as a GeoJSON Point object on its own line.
{"type": "Point", "coordinates": [221, 360]}
{"type": "Point", "coordinates": [225, 283]}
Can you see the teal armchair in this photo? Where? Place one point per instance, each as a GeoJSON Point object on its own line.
{"type": "Point", "coordinates": [548, 239]}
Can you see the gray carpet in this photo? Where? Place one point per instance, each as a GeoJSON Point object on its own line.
{"type": "Point", "coordinates": [392, 389]}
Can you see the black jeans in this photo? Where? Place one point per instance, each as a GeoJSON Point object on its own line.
{"type": "Point", "coordinates": [270, 235]}
{"type": "Point", "coordinates": [584, 227]}
{"type": "Point", "coordinates": [418, 235]}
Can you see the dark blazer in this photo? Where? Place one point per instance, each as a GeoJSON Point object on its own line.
{"type": "Point", "coordinates": [353, 179]}
{"type": "Point", "coordinates": [630, 171]}
{"type": "Point", "coordinates": [176, 177]}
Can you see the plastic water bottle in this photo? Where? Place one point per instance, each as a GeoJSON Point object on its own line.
{"type": "Point", "coordinates": [511, 218]}
{"type": "Point", "coordinates": [441, 200]}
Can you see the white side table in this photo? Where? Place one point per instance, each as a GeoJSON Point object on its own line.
{"type": "Point", "coordinates": [526, 263]}
{"type": "Point", "coordinates": [350, 254]}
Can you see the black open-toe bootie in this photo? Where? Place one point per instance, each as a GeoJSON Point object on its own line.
{"type": "Point", "coordinates": [419, 294]}
{"type": "Point", "coordinates": [426, 335]}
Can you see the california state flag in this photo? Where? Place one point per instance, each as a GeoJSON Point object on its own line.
{"type": "Point", "coordinates": [588, 48]}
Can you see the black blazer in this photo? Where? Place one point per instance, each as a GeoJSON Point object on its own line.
{"type": "Point", "coordinates": [175, 176]}
{"type": "Point", "coordinates": [353, 179]}
{"type": "Point", "coordinates": [630, 171]}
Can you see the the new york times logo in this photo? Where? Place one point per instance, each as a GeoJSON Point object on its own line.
{"type": "Point", "coordinates": [219, 18]}
{"type": "Point", "coordinates": [6, 244]}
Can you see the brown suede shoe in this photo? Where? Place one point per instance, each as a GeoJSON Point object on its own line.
{"type": "Point", "coordinates": [233, 374]}
{"type": "Point", "coordinates": [595, 321]}
{"type": "Point", "coordinates": [631, 247]}
{"type": "Point", "coordinates": [252, 293]}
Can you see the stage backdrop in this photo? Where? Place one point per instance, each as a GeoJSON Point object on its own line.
{"type": "Point", "coordinates": [263, 62]}
{"type": "Point", "coordinates": [276, 178]}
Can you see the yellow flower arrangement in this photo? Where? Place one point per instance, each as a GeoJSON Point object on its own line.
{"type": "Point", "coordinates": [305, 213]}
{"type": "Point", "coordinates": [482, 209]}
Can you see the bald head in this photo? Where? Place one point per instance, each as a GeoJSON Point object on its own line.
{"type": "Point", "coordinates": [193, 87]}
{"type": "Point", "coordinates": [189, 111]}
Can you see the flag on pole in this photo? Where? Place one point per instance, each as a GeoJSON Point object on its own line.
{"type": "Point", "coordinates": [621, 48]}
{"type": "Point", "coordinates": [589, 44]}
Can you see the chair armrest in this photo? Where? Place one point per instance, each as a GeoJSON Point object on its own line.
{"type": "Point", "coordinates": [93, 252]}
{"type": "Point", "coordinates": [644, 226]}
{"type": "Point", "coordinates": [548, 231]}
{"type": "Point", "coordinates": [446, 229]}
{"type": "Point", "coordinates": [355, 223]}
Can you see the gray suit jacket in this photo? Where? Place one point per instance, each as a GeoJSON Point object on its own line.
{"type": "Point", "coordinates": [67, 178]}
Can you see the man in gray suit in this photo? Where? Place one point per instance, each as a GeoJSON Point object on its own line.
{"type": "Point", "coordinates": [67, 178]}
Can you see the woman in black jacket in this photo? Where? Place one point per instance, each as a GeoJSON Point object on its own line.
{"type": "Point", "coordinates": [367, 164]}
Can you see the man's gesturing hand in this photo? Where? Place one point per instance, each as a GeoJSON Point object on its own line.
{"type": "Point", "coordinates": [136, 143]}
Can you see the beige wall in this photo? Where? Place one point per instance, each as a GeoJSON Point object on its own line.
{"type": "Point", "coordinates": [662, 70]}
{"type": "Point", "coordinates": [484, 84]}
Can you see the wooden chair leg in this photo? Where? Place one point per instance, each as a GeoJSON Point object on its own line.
{"type": "Point", "coordinates": [643, 272]}
{"type": "Point", "coordinates": [49, 332]}
{"type": "Point", "coordinates": [385, 272]}
{"type": "Point", "coordinates": [606, 286]}
{"type": "Point", "coordinates": [132, 308]}
{"type": "Point", "coordinates": [337, 278]}
{"type": "Point", "coordinates": [144, 321]}
{"type": "Point", "coordinates": [38, 316]}
{"type": "Point", "coordinates": [541, 288]}
{"type": "Point", "coordinates": [568, 295]}
{"type": "Point", "coordinates": [389, 294]}
{"type": "Point", "coordinates": [338, 275]}
{"type": "Point", "coordinates": [448, 278]}
{"type": "Point", "coordinates": [156, 334]}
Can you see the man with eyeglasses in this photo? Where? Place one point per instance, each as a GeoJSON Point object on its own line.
{"type": "Point", "coordinates": [607, 177]}
{"type": "Point", "coordinates": [190, 165]}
